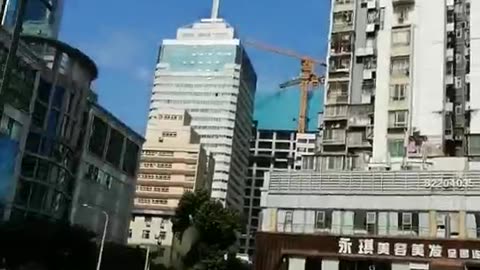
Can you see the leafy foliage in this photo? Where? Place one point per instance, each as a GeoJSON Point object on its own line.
{"type": "Point", "coordinates": [187, 208]}
{"type": "Point", "coordinates": [217, 227]}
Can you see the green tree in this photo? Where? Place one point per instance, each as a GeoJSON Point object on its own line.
{"type": "Point", "coordinates": [217, 227]}
{"type": "Point", "coordinates": [186, 210]}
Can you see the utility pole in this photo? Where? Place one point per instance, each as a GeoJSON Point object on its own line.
{"type": "Point", "coordinates": [147, 257]}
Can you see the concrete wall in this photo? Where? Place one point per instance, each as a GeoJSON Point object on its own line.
{"type": "Point", "coordinates": [428, 66]}
{"type": "Point", "coordinates": [382, 95]}
{"type": "Point", "coordinates": [475, 66]}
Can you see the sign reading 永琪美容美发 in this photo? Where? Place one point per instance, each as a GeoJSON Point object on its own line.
{"type": "Point", "coordinates": [369, 246]}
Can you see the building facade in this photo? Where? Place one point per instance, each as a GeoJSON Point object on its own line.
{"type": "Point", "coordinates": [42, 18]}
{"type": "Point", "coordinates": [46, 176]}
{"type": "Point", "coordinates": [173, 162]}
{"type": "Point", "coordinates": [339, 220]}
{"type": "Point", "coordinates": [420, 51]}
{"type": "Point", "coordinates": [270, 150]}
{"type": "Point", "coordinates": [206, 71]}
{"type": "Point", "coordinates": [106, 175]}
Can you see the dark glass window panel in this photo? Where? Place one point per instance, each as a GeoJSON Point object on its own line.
{"type": "Point", "coordinates": [39, 194]}
{"type": "Point", "coordinates": [130, 158]}
{"type": "Point", "coordinates": [44, 89]}
{"type": "Point", "coordinates": [53, 122]}
{"type": "Point", "coordinates": [98, 137]}
{"type": "Point", "coordinates": [47, 147]}
{"type": "Point", "coordinates": [39, 114]}
{"type": "Point", "coordinates": [28, 166]}
{"type": "Point", "coordinates": [36, 11]}
{"type": "Point", "coordinates": [23, 192]}
{"type": "Point", "coordinates": [115, 146]}
{"type": "Point", "coordinates": [58, 97]}
{"type": "Point", "coordinates": [33, 142]}
{"type": "Point", "coordinates": [42, 170]}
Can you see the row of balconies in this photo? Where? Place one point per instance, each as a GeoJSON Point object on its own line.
{"type": "Point", "coordinates": [341, 137]}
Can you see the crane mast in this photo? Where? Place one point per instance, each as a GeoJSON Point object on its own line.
{"type": "Point", "coordinates": [308, 80]}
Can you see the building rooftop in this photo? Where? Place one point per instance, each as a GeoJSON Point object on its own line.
{"type": "Point", "coordinates": [69, 50]}
{"type": "Point", "coordinates": [118, 122]}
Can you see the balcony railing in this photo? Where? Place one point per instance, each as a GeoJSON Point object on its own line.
{"type": "Point", "coordinates": [333, 99]}
{"type": "Point", "coordinates": [376, 182]}
{"type": "Point", "coordinates": [334, 112]}
{"type": "Point", "coordinates": [334, 136]}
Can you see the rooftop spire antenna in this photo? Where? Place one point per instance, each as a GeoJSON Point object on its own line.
{"type": "Point", "coordinates": [215, 9]}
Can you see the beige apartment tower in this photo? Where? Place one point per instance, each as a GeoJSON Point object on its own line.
{"type": "Point", "coordinates": [173, 162]}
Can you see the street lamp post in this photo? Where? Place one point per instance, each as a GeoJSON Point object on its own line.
{"type": "Point", "coordinates": [100, 253]}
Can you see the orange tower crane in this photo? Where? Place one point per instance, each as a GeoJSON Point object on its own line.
{"type": "Point", "coordinates": [307, 80]}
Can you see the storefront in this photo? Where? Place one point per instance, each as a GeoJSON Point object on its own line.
{"type": "Point", "coordinates": [281, 251]}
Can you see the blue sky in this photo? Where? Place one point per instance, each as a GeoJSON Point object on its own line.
{"type": "Point", "coordinates": [123, 36]}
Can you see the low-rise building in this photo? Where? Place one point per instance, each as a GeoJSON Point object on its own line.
{"type": "Point", "coordinates": [106, 175]}
{"type": "Point", "coordinates": [173, 162]}
{"type": "Point", "coordinates": [371, 219]}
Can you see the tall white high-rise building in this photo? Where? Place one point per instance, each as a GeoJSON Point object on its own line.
{"type": "Point", "coordinates": [207, 72]}
{"type": "Point", "coordinates": [398, 83]}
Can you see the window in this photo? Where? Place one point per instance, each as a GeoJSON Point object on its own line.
{"type": "Point", "coordinates": [169, 134]}
{"type": "Point", "coordinates": [371, 221]}
{"type": "Point", "coordinates": [115, 147]}
{"type": "Point", "coordinates": [162, 235]}
{"type": "Point", "coordinates": [400, 66]}
{"type": "Point", "coordinates": [398, 92]}
{"type": "Point", "coordinates": [98, 137]}
{"type": "Point", "coordinates": [396, 147]}
{"type": "Point", "coordinates": [146, 234]}
{"type": "Point", "coordinates": [322, 219]}
{"type": "Point", "coordinates": [159, 201]}
{"type": "Point", "coordinates": [408, 221]}
{"type": "Point", "coordinates": [161, 252]}
{"type": "Point", "coordinates": [402, 14]}
{"type": "Point", "coordinates": [144, 201]}
{"type": "Point", "coordinates": [148, 222]}
{"type": "Point", "coordinates": [288, 224]}
{"type": "Point", "coordinates": [401, 37]}
{"type": "Point", "coordinates": [131, 158]}
{"type": "Point", "coordinates": [397, 119]}
{"type": "Point", "coordinates": [165, 189]}
{"type": "Point", "coordinates": [130, 233]}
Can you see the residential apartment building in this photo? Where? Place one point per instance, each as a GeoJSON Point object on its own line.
{"type": "Point", "coordinates": [270, 150]}
{"type": "Point", "coordinates": [106, 174]}
{"type": "Point", "coordinates": [207, 72]}
{"type": "Point", "coordinates": [173, 162]}
{"type": "Point", "coordinates": [420, 52]}
{"type": "Point", "coordinates": [371, 219]}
